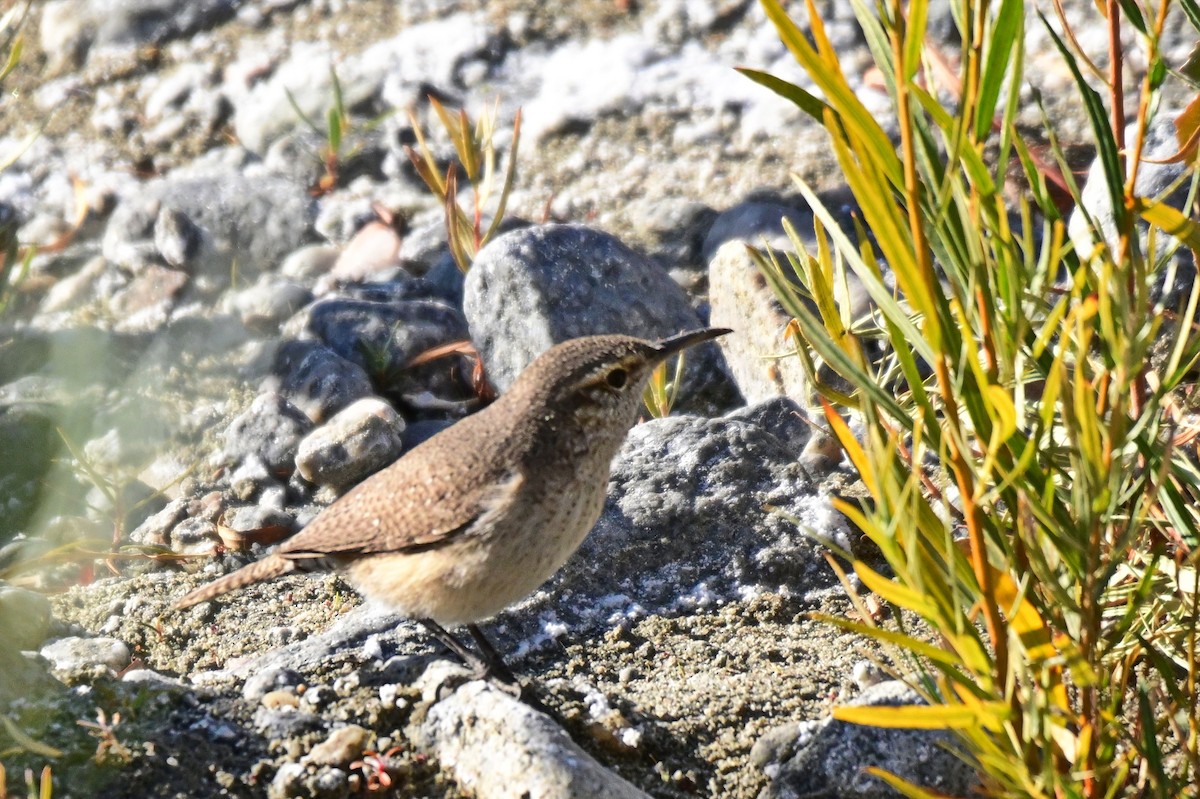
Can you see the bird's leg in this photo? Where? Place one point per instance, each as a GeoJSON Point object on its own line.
{"type": "Point", "coordinates": [482, 666]}
{"type": "Point", "coordinates": [496, 665]}
{"type": "Point", "coordinates": [471, 660]}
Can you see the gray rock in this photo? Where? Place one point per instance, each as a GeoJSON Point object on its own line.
{"type": "Point", "coordinates": [194, 536]}
{"type": "Point", "coordinates": [24, 618]}
{"type": "Point", "coordinates": [182, 92]}
{"type": "Point", "coordinates": [74, 654]}
{"type": "Point", "coordinates": [75, 289]}
{"type": "Point", "coordinates": [743, 301]}
{"type": "Point", "coordinates": [782, 417]}
{"type": "Point", "coordinates": [144, 304]}
{"type": "Point", "coordinates": [270, 429]}
{"type": "Point", "coordinates": [829, 758]}
{"type": "Point", "coordinates": [153, 679]}
{"type": "Point", "coordinates": [156, 530]}
{"type": "Point", "coordinates": [343, 746]}
{"type": "Point", "coordinates": [675, 228]}
{"type": "Point", "coordinates": [499, 748]}
{"type": "Point", "coordinates": [281, 723]}
{"type": "Point", "coordinates": [296, 156]}
{"type": "Point", "coordinates": [316, 379]}
{"type": "Point", "coordinates": [261, 683]}
{"type": "Point", "coordinates": [176, 238]}
{"type": "Point", "coordinates": [266, 111]}
{"type": "Point", "coordinates": [288, 782]}
{"type": "Point", "coordinates": [445, 280]}
{"type": "Point", "coordinates": [583, 79]}
{"type": "Point", "coordinates": [697, 515]}
{"type": "Point", "coordinates": [233, 218]}
{"type": "Point", "coordinates": [411, 281]}
{"type": "Point", "coordinates": [424, 252]}
{"type": "Point", "coordinates": [366, 628]}
{"type": "Point", "coordinates": [331, 783]}
{"type": "Point", "coordinates": [384, 337]}
{"type": "Point", "coordinates": [423, 430]}
{"type": "Point", "coordinates": [71, 29]}
{"type": "Point", "coordinates": [295, 780]}
{"type": "Point", "coordinates": [440, 53]}
{"type": "Point", "coordinates": [116, 447]}
{"type": "Point", "coordinates": [779, 744]}
{"type": "Point", "coordinates": [250, 477]}
{"type": "Point", "coordinates": [400, 70]}
{"type": "Point", "coordinates": [532, 288]}
{"type": "Point", "coordinates": [425, 241]}
{"type": "Point", "coordinates": [268, 302]}
{"type": "Point", "coordinates": [678, 21]}
{"type": "Point", "coordinates": [358, 441]}
{"type": "Point", "coordinates": [760, 354]}
{"type": "Point", "coordinates": [755, 223]}
{"type": "Point", "coordinates": [310, 262]}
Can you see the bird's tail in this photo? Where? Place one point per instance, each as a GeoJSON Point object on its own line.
{"type": "Point", "coordinates": [265, 569]}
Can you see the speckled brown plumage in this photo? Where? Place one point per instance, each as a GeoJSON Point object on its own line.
{"type": "Point", "coordinates": [478, 516]}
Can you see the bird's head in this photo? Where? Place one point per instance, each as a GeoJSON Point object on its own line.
{"type": "Point", "coordinates": [600, 376]}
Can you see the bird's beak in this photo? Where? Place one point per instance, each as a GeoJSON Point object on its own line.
{"type": "Point", "coordinates": [668, 347]}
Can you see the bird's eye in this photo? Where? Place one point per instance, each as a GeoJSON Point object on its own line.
{"type": "Point", "coordinates": [617, 378]}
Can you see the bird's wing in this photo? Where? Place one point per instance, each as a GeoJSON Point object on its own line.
{"type": "Point", "coordinates": [416, 503]}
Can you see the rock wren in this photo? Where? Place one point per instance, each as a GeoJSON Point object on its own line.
{"type": "Point", "coordinates": [480, 515]}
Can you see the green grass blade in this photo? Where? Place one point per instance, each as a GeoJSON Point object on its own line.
{"type": "Point", "coordinates": [300, 113]}
{"type": "Point", "coordinates": [14, 57]}
{"type": "Point", "coordinates": [1006, 37]}
{"type": "Point", "coordinates": [1106, 144]}
{"type": "Point", "coordinates": [838, 93]}
{"type": "Point", "coordinates": [914, 37]}
{"type": "Point", "coordinates": [23, 740]}
{"type": "Point", "coordinates": [804, 100]}
{"type": "Point", "coordinates": [510, 178]}
{"type": "Point", "coordinates": [1191, 10]}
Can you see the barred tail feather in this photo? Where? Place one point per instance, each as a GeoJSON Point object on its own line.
{"type": "Point", "coordinates": [265, 569]}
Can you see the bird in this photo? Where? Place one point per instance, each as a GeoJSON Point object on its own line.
{"type": "Point", "coordinates": [477, 517]}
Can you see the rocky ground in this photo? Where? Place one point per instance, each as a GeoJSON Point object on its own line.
{"type": "Point", "coordinates": [217, 339]}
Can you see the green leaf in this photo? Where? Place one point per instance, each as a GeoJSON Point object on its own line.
{"type": "Point", "coordinates": [339, 103]}
{"type": "Point", "coordinates": [468, 146]}
{"type": "Point", "coordinates": [871, 24]}
{"type": "Point", "coordinates": [334, 120]}
{"type": "Point", "coordinates": [1149, 724]}
{"type": "Point", "coordinates": [805, 101]}
{"type": "Point", "coordinates": [823, 68]}
{"type": "Point", "coordinates": [510, 178]}
{"type": "Point", "coordinates": [1106, 144]}
{"type": "Point", "coordinates": [14, 57]}
{"type": "Point", "coordinates": [23, 740]}
{"type": "Point", "coordinates": [1006, 37]}
{"type": "Point", "coordinates": [815, 335]}
{"type": "Point", "coordinates": [1191, 10]}
{"type": "Point", "coordinates": [300, 113]}
{"type": "Point", "coordinates": [914, 37]}
{"type": "Point", "coordinates": [1134, 15]}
